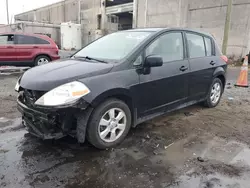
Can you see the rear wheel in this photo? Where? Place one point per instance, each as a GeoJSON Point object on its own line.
{"type": "Point", "coordinates": [214, 94]}
{"type": "Point", "coordinates": [41, 60]}
{"type": "Point", "coordinates": [109, 124]}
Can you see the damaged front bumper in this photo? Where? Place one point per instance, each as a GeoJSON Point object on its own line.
{"type": "Point", "coordinates": [50, 123]}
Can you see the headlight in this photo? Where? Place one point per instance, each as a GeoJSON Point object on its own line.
{"type": "Point", "coordinates": [64, 94]}
{"type": "Point", "coordinates": [17, 85]}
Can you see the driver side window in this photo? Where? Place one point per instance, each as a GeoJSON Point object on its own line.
{"type": "Point", "coordinates": [169, 46]}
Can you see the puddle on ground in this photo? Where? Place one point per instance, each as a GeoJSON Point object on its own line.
{"type": "Point", "coordinates": [210, 181]}
{"type": "Point", "coordinates": [224, 163]}
{"type": "Point", "coordinates": [7, 125]}
{"type": "Point", "coordinates": [9, 158]}
{"type": "Point", "coordinates": [29, 162]}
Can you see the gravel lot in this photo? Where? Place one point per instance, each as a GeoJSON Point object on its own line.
{"type": "Point", "coordinates": [195, 147]}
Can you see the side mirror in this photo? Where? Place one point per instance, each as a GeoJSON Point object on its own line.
{"type": "Point", "coordinates": [153, 61]}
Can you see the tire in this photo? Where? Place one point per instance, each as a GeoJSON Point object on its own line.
{"type": "Point", "coordinates": [213, 103]}
{"type": "Point", "coordinates": [104, 112]}
{"type": "Point", "coordinates": [41, 59]}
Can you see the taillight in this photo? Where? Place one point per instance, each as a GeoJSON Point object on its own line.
{"type": "Point", "coordinates": [224, 58]}
{"type": "Point", "coordinates": [57, 50]}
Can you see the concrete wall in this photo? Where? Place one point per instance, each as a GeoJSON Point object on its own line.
{"type": "Point", "coordinates": [160, 13]}
{"type": "Point", "coordinates": [57, 13]}
{"type": "Point", "coordinates": [210, 17]}
{"type": "Point", "coordinates": [205, 15]}
{"type": "Point", "coordinates": [89, 11]}
{"type": "Point", "coordinates": [67, 11]}
{"type": "Point", "coordinates": [52, 30]}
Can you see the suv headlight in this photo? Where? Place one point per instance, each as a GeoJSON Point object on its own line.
{"type": "Point", "coordinates": [64, 94]}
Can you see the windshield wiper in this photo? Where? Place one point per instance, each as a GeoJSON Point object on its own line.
{"type": "Point", "coordinates": [91, 58]}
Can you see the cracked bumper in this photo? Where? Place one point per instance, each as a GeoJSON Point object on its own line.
{"type": "Point", "coordinates": [38, 123]}
{"type": "Point", "coordinates": [48, 123]}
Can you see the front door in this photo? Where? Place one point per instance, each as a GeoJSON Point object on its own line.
{"type": "Point", "coordinates": [167, 86]}
{"type": "Point", "coordinates": [7, 50]}
{"type": "Point", "coordinates": [202, 64]}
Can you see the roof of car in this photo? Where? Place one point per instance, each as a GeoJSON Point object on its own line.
{"type": "Point", "coordinates": [157, 29]}
{"type": "Point", "coordinates": [27, 34]}
{"type": "Point", "coordinates": [153, 29]}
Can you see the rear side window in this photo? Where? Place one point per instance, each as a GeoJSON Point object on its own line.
{"type": "Point", "coordinates": [208, 43]}
{"type": "Point", "coordinates": [6, 39]}
{"type": "Point", "coordinates": [40, 41]}
{"type": "Point", "coordinates": [22, 39]}
{"type": "Point", "coordinates": [169, 46]}
{"type": "Point", "coordinates": [196, 45]}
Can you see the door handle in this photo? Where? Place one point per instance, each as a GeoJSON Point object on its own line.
{"type": "Point", "coordinates": [10, 47]}
{"type": "Point", "coordinates": [212, 63]}
{"type": "Point", "coordinates": [183, 68]}
{"type": "Point", "coordinates": [35, 46]}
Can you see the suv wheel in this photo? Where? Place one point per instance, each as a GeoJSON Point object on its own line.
{"type": "Point", "coordinates": [109, 124]}
{"type": "Point", "coordinates": [214, 94]}
{"type": "Point", "coordinates": [41, 60]}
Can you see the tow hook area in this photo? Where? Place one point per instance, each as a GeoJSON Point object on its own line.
{"type": "Point", "coordinates": [82, 123]}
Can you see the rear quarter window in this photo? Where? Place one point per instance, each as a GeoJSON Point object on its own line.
{"type": "Point", "coordinates": [41, 41]}
{"type": "Point", "coordinates": [208, 43]}
{"type": "Point", "coordinates": [196, 45]}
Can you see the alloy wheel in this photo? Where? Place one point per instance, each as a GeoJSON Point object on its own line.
{"type": "Point", "coordinates": [112, 125]}
{"type": "Point", "coordinates": [215, 93]}
{"type": "Point", "coordinates": [42, 61]}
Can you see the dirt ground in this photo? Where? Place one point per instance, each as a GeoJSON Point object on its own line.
{"type": "Point", "coordinates": [194, 147]}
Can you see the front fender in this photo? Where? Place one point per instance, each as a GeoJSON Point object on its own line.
{"type": "Point", "coordinates": [111, 84]}
{"type": "Point", "coordinates": [110, 93]}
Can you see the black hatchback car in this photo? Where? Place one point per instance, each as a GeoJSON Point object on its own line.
{"type": "Point", "coordinates": [120, 81]}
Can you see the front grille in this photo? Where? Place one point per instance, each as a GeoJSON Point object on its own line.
{"type": "Point", "coordinates": [31, 96]}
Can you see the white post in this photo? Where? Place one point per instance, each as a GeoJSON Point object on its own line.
{"type": "Point", "coordinates": [146, 13]}
{"type": "Point", "coordinates": [135, 13]}
{"type": "Point", "coordinates": [103, 13]}
{"type": "Point", "coordinates": [7, 11]}
{"type": "Point", "coordinates": [79, 11]}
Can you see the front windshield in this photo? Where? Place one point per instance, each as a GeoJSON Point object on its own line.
{"type": "Point", "coordinates": [114, 46]}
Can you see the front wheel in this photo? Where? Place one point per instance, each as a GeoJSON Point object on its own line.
{"type": "Point", "coordinates": [215, 93]}
{"type": "Point", "coordinates": [109, 124]}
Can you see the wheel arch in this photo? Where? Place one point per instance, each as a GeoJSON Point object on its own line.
{"type": "Point", "coordinates": [221, 74]}
{"type": "Point", "coordinates": [42, 54]}
{"type": "Point", "coordinates": [118, 93]}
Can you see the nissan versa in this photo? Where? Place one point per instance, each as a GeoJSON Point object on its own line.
{"type": "Point", "coordinates": [120, 81]}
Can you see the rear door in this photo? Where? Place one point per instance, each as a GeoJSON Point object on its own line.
{"type": "Point", "coordinates": [44, 45]}
{"type": "Point", "coordinates": [7, 49]}
{"type": "Point", "coordinates": [26, 48]}
{"type": "Point", "coordinates": [29, 47]}
{"type": "Point", "coordinates": [166, 86]}
{"type": "Point", "coordinates": [202, 64]}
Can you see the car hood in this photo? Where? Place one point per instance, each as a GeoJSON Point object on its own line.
{"type": "Point", "coordinates": [51, 75]}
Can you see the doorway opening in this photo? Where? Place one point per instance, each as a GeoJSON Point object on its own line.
{"type": "Point", "coordinates": [125, 20]}
{"type": "Point", "coordinates": [117, 2]}
{"type": "Point", "coordinates": [119, 14]}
